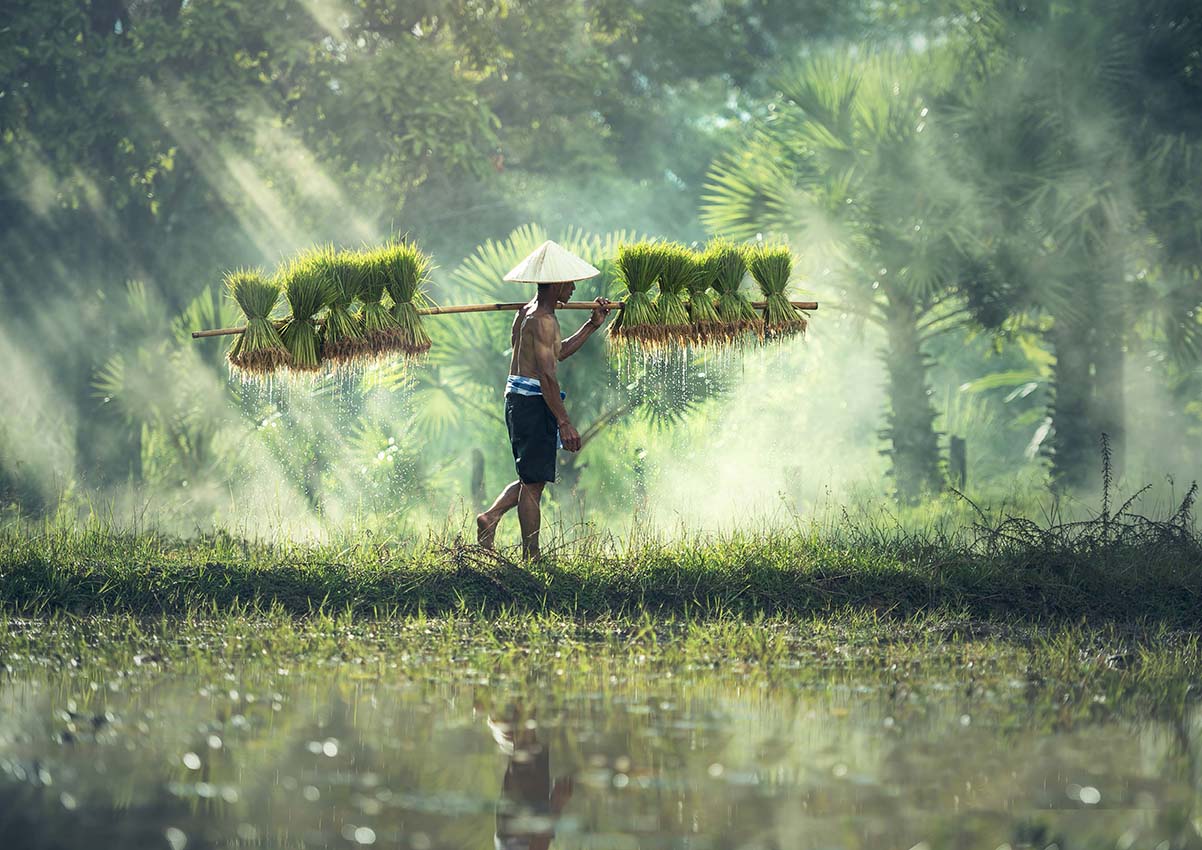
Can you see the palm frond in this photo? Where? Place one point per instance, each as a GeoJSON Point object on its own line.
{"type": "Point", "coordinates": [482, 273]}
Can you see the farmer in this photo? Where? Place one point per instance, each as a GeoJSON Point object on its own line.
{"type": "Point", "coordinates": [535, 415]}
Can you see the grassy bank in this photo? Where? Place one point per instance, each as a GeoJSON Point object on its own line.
{"type": "Point", "coordinates": [1118, 568]}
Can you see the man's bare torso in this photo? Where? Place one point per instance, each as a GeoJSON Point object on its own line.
{"type": "Point", "coordinates": [528, 329]}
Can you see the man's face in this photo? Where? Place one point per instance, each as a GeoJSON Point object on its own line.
{"type": "Point", "coordinates": [565, 291]}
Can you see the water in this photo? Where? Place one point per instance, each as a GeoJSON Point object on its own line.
{"type": "Point", "coordinates": [400, 751]}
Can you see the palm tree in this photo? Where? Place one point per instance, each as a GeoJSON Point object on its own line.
{"type": "Point", "coordinates": [1081, 143]}
{"type": "Point", "coordinates": [844, 169]}
{"type": "Point", "coordinates": [168, 407]}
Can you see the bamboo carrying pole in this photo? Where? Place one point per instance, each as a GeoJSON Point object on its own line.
{"type": "Point", "coordinates": [498, 308]}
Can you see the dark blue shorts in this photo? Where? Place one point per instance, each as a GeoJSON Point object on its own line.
{"type": "Point", "coordinates": [534, 435]}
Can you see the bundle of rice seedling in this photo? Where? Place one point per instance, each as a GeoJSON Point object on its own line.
{"type": "Point", "coordinates": [407, 271]}
{"type": "Point", "coordinates": [342, 337]}
{"type": "Point", "coordinates": [259, 349]}
{"type": "Point", "coordinates": [306, 283]}
{"type": "Point", "coordinates": [727, 267]}
{"type": "Point", "coordinates": [677, 267]}
{"type": "Point", "coordinates": [381, 333]}
{"type": "Point", "coordinates": [771, 266]}
{"type": "Point", "coordinates": [706, 327]}
{"type": "Point", "coordinates": [638, 265]}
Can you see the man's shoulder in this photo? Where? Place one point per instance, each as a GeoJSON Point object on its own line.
{"type": "Point", "coordinates": [542, 321]}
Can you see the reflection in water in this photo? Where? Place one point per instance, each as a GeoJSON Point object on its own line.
{"type": "Point", "coordinates": [530, 804]}
{"type": "Point", "coordinates": [340, 756]}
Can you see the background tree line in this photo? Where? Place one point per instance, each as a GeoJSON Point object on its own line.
{"type": "Point", "coordinates": [1003, 194]}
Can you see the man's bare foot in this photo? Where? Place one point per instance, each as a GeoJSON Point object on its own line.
{"type": "Point", "coordinates": [486, 530]}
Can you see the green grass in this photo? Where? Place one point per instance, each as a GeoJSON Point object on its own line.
{"type": "Point", "coordinates": [1067, 673]}
{"type": "Point", "coordinates": [1114, 568]}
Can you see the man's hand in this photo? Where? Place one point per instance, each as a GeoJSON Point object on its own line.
{"type": "Point", "coordinates": [569, 436]}
{"type": "Point", "coordinates": [600, 312]}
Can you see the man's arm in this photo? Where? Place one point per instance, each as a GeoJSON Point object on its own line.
{"type": "Point", "coordinates": [545, 333]}
{"type": "Point", "coordinates": [515, 331]}
{"type": "Point", "coordinates": [572, 344]}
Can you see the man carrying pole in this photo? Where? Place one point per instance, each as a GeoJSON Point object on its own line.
{"type": "Point", "coordinates": [535, 414]}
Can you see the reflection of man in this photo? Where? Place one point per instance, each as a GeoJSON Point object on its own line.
{"type": "Point", "coordinates": [530, 803]}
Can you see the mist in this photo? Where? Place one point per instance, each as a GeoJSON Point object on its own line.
{"type": "Point", "coordinates": [992, 263]}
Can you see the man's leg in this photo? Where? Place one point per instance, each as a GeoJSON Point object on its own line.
{"type": "Point", "coordinates": [529, 518]}
{"type": "Point", "coordinates": [486, 523]}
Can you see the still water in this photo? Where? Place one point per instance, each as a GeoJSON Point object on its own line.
{"type": "Point", "coordinates": [582, 752]}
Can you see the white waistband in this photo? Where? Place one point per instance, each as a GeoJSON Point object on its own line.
{"type": "Point", "coordinates": [521, 385]}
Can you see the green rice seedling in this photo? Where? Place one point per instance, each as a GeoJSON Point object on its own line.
{"type": "Point", "coordinates": [706, 326]}
{"type": "Point", "coordinates": [638, 265]}
{"type": "Point", "coordinates": [772, 266]}
{"type": "Point", "coordinates": [342, 336]}
{"type": "Point", "coordinates": [306, 283]}
{"type": "Point", "coordinates": [676, 267]}
{"type": "Point", "coordinates": [407, 271]}
{"type": "Point", "coordinates": [728, 266]}
{"type": "Point", "coordinates": [259, 350]}
{"type": "Point", "coordinates": [381, 333]}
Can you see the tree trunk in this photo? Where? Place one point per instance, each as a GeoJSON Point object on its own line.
{"type": "Point", "coordinates": [1074, 440]}
{"type": "Point", "coordinates": [910, 423]}
{"type": "Point", "coordinates": [1109, 360]}
{"type": "Point", "coordinates": [479, 489]}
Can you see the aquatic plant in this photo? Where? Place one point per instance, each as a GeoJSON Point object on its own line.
{"type": "Point", "coordinates": [638, 266]}
{"type": "Point", "coordinates": [406, 274]}
{"type": "Point", "coordinates": [771, 267]}
{"type": "Point", "coordinates": [259, 350]}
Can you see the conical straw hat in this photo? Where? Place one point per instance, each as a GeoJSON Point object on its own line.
{"type": "Point", "coordinates": [551, 263]}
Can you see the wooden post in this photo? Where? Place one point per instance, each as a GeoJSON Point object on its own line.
{"type": "Point", "coordinates": [479, 494]}
{"type": "Point", "coordinates": [957, 462]}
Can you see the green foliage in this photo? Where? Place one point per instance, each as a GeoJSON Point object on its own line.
{"type": "Point", "coordinates": [677, 268]}
{"type": "Point", "coordinates": [1067, 204]}
{"type": "Point", "coordinates": [1006, 568]}
{"type": "Point", "coordinates": [1099, 234]}
{"type": "Point", "coordinates": [707, 327]}
{"type": "Point", "coordinates": [342, 338]}
{"type": "Point", "coordinates": [259, 350]}
{"type": "Point", "coordinates": [407, 273]}
{"type": "Point", "coordinates": [638, 266]}
{"type": "Point", "coordinates": [835, 168]}
{"type": "Point", "coordinates": [382, 333]}
{"type": "Point", "coordinates": [772, 267]}
{"type": "Point", "coordinates": [308, 284]}
{"type": "Point", "coordinates": [726, 264]}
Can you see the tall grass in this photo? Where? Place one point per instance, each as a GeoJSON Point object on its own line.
{"type": "Point", "coordinates": [1117, 566]}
